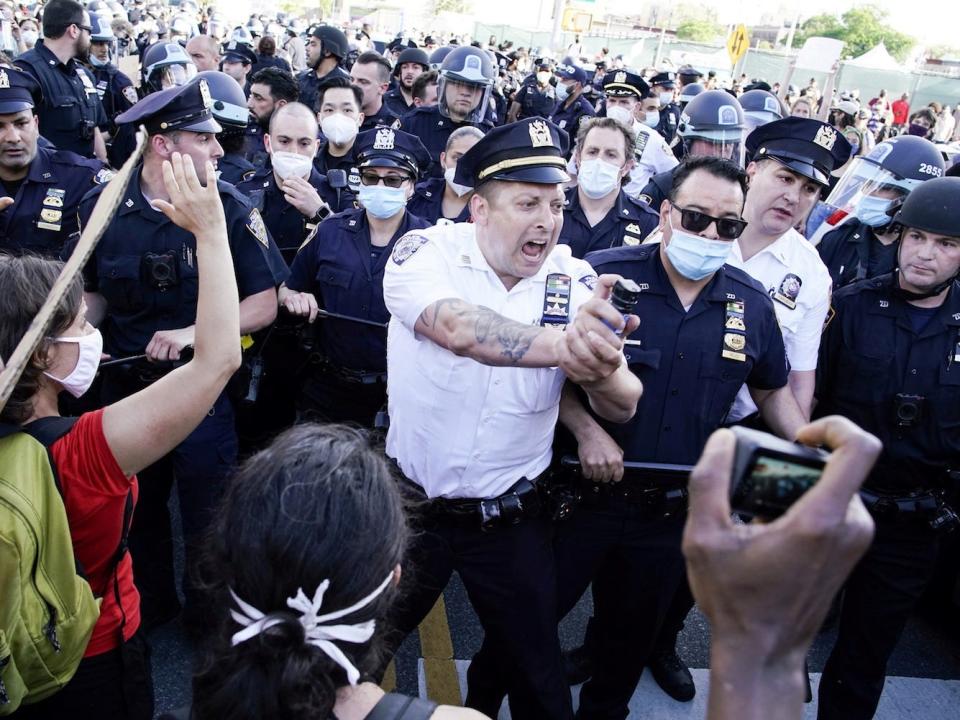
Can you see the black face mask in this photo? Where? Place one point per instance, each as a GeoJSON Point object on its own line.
{"type": "Point", "coordinates": [918, 130]}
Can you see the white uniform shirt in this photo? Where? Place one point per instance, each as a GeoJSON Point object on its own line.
{"type": "Point", "coordinates": [793, 273]}
{"type": "Point", "coordinates": [653, 156]}
{"type": "Point", "coordinates": [458, 428]}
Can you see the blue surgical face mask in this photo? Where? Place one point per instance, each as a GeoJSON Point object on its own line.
{"type": "Point", "coordinates": [97, 62]}
{"type": "Point", "coordinates": [651, 118]}
{"type": "Point", "coordinates": [696, 257]}
{"type": "Point", "coordinates": [563, 91]}
{"type": "Point", "coordinates": [872, 211]}
{"type": "Point", "coordinates": [381, 201]}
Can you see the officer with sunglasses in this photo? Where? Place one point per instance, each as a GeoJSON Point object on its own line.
{"type": "Point", "coordinates": [707, 329]}
{"type": "Point", "coordinates": [340, 269]}
{"type": "Point", "coordinates": [792, 162]}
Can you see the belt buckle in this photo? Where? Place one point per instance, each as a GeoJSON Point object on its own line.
{"type": "Point", "coordinates": [511, 508]}
{"type": "Point", "coordinates": [489, 514]}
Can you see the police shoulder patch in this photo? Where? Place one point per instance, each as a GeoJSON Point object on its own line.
{"type": "Point", "coordinates": [249, 174]}
{"type": "Point", "coordinates": [407, 246]}
{"type": "Point", "coordinates": [257, 228]}
{"type": "Point", "coordinates": [103, 176]}
{"type": "Point", "coordinates": [589, 280]}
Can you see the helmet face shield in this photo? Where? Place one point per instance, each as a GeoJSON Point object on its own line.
{"type": "Point", "coordinates": [866, 183]}
{"type": "Point", "coordinates": [727, 144]}
{"type": "Point", "coordinates": [462, 100]}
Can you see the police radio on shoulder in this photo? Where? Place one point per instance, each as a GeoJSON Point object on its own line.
{"type": "Point", "coordinates": [770, 474]}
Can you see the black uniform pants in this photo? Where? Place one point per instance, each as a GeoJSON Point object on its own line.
{"type": "Point", "coordinates": [200, 465]}
{"type": "Point", "coordinates": [879, 595]}
{"type": "Point", "coordinates": [328, 398]}
{"type": "Point", "coordinates": [633, 558]}
{"type": "Point", "coordinates": [510, 579]}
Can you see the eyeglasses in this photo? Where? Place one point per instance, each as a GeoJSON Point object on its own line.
{"type": "Point", "coordinates": [696, 221]}
{"type": "Point", "coordinates": [391, 181]}
{"type": "Point", "coordinates": [85, 27]}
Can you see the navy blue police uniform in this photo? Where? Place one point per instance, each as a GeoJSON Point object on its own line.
{"type": "Point", "coordinates": [310, 84]}
{"type": "Point", "coordinates": [71, 110]}
{"type": "Point", "coordinates": [116, 91]}
{"type": "Point", "coordinates": [568, 114]}
{"type": "Point", "coordinates": [851, 253]}
{"type": "Point", "coordinates": [343, 270]}
{"type": "Point", "coordinates": [533, 100]}
{"type": "Point", "coordinates": [692, 364]}
{"type": "Point", "coordinates": [434, 129]}
{"type": "Point", "coordinates": [254, 150]}
{"type": "Point", "coordinates": [396, 102]}
{"type": "Point", "coordinates": [657, 189]}
{"type": "Point", "coordinates": [427, 203]}
{"type": "Point", "coordinates": [628, 222]}
{"type": "Point", "coordinates": [384, 116]}
{"type": "Point", "coordinates": [324, 162]}
{"type": "Point", "coordinates": [669, 113]}
{"type": "Point", "coordinates": [145, 268]}
{"type": "Point", "coordinates": [288, 226]}
{"type": "Point", "coordinates": [234, 167]}
{"type": "Point", "coordinates": [893, 369]}
{"type": "Point", "coordinates": [43, 216]}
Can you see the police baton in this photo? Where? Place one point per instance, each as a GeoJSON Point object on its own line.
{"type": "Point", "coordinates": [321, 313]}
{"type": "Point", "coordinates": [185, 356]}
{"type": "Point", "coordinates": [653, 471]}
{"type": "Point", "coordinates": [103, 213]}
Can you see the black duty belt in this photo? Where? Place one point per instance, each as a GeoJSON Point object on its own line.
{"type": "Point", "coordinates": [520, 501]}
{"type": "Point", "coordinates": [360, 377]}
{"type": "Point", "coordinates": [924, 506]}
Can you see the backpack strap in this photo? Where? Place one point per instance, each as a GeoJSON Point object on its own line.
{"type": "Point", "coordinates": [48, 430]}
{"type": "Point", "coordinates": [400, 707]}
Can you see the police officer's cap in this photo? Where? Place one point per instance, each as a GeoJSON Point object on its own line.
{"type": "Point", "coordinates": [188, 107]}
{"type": "Point", "coordinates": [236, 51]}
{"type": "Point", "coordinates": [568, 71]}
{"type": "Point", "coordinates": [623, 83]}
{"type": "Point", "coordinates": [667, 79]}
{"type": "Point", "coordinates": [386, 147]}
{"type": "Point", "coordinates": [809, 147]}
{"type": "Point", "coordinates": [100, 30]}
{"type": "Point", "coordinates": [530, 150]}
{"type": "Point", "coordinates": [18, 91]}
{"type": "Point", "coordinates": [689, 71]}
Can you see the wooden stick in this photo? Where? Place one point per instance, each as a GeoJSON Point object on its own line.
{"type": "Point", "coordinates": [103, 213]}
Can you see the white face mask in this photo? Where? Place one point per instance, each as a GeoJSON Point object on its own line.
{"type": "Point", "coordinates": [620, 114]}
{"type": "Point", "coordinates": [651, 118]}
{"type": "Point", "coordinates": [597, 178]}
{"type": "Point", "coordinates": [460, 190]}
{"type": "Point", "coordinates": [81, 377]}
{"type": "Point", "coordinates": [666, 98]}
{"type": "Point", "coordinates": [29, 37]}
{"type": "Point", "coordinates": [339, 129]}
{"type": "Point", "coordinates": [288, 164]}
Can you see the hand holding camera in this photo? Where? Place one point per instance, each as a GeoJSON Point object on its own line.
{"type": "Point", "coordinates": [766, 587]}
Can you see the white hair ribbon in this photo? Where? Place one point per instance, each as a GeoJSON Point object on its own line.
{"type": "Point", "coordinates": [316, 631]}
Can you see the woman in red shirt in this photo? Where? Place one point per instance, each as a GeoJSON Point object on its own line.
{"type": "Point", "coordinates": [97, 460]}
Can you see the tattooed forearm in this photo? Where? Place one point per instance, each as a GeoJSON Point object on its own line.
{"type": "Point", "coordinates": [510, 340]}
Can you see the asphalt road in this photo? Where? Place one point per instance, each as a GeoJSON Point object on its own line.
{"type": "Point", "coordinates": [923, 674]}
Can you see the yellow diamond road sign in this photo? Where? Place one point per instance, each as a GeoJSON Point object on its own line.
{"type": "Point", "coordinates": [737, 44]}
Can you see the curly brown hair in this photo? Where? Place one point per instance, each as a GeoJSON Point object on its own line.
{"type": "Point", "coordinates": [26, 281]}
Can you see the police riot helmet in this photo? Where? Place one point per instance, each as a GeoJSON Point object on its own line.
{"type": "Point", "coordinates": [242, 35]}
{"type": "Point", "coordinates": [934, 207]}
{"type": "Point", "coordinates": [229, 103]}
{"type": "Point", "coordinates": [760, 107]}
{"type": "Point", "coordinates": [412, 55]}
{"type": "Point", "coordinates": [876, 184]}
{"type": "Point", "coordinates": [439, 55]}
{"type": "Point", "coordinates": [332, 40]}
{"type": "Point", "coordinates": [166, 64]}
{"type": "Point", "coordinates": [100, 30]}
{"type": "Point", "coordinates": [689, 92]}
{"type": "Point", "coordinates": [713, 118]}
{"type": "Point", "coordinates": [468, 66]}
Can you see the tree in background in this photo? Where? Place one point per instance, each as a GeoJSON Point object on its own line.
{"type": "Point", "coordinates": [860, 28]}
{"type": "Point", "coordinates": [699, 30]}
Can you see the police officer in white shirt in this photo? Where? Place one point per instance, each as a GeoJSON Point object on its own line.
{"type": "Point", "coordinates": [792, 162]}
{"type": "Point", "coordinates": [623, 92]}
{"type": "Point", "coordinates": [489, 319]}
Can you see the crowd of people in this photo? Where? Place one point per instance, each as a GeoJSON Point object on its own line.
{"type": "Point", "coordinates": [358, 307]}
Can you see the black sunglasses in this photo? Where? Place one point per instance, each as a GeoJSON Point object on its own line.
{"type": "Point", "coordinates": [85, 27]}
{"type": "Point", "coordinates": [391, 181]}
{"type": "Point", "coordinates": [696, 221]}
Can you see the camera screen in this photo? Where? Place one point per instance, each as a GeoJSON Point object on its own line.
{"type": "Point", "coordinates": [773, 484]}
